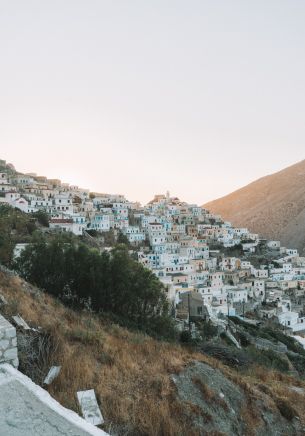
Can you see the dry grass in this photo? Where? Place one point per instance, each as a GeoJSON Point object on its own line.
{"type": "Point", "coordinates": [130, 372]}
{"type": "Point", "coordinates": [273, 389]}
{"type": "Point", "coordinates": [208, 395]}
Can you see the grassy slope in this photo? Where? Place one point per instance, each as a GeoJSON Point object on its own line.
{"type": "Point", "coordinates": [130, 372]}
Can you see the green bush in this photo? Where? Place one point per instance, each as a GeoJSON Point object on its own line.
{"type": "Point", "coordinates": [298, 362]}
{"type": "Point", "coordinates": [113, 283]}
{"type": "Point", "coordinates": [42, 217]}
{"type": "Point", "coordinates": [15, 226]}
{"type": "Point", "coordinates": [225, 338]}
{"type": "Point", "coordinates": [186, 337]}
{"type": "Point", "coordinates": [244, 341]}
{"type": "Point", "coordinates": [268, 358]}
{"type": "Point", "coordinates": [272, 334]}
{"type": "Point", "coordinates": [207, 329]}
{"type": "Point", "coordinates": [92, 232]}
{"type": "Point", "coordinates": [229, 355]}
{"type": "Point", "coordinates": [290, 342]}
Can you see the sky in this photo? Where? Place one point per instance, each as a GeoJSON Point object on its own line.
{"type": "Point", "coordinates": [198, 97]}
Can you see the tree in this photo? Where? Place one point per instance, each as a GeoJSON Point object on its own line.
{"type": "Point", "coordinates": [42, 217]}
{"type": "Point", "coordinates": [122, 239]}
{"type": "Point", "coordinates": [15, 226]}
{"type": "Point", "coordinates": [112, 283]}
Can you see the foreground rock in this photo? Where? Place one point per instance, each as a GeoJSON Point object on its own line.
{"type": "Point", "coordinates": [220, 406]}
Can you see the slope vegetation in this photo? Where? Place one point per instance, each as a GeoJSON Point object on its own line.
{"type": "Point", "coordinates": [273, 206]}
{"type": "Point", "coordinates": [145, 386]}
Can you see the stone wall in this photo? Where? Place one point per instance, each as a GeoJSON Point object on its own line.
{"type": "Point", "coordinates": [8, 343]}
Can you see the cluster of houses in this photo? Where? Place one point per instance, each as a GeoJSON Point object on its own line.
{"type": "Point", "coordinates": [209, 268]}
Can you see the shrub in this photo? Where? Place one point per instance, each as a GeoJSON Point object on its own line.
{"type": "Point", "coordinates": [209, 395]}
{"type": "Point", "coordinates": [298, 362]}
{"type": "Point", "coordinates": [42, 217]}
{"type": "Point", "coordinates": [290, 342]}
{"type": "Point", "coordinates": [186, 337]}
{"type": "Point", "coordinates": [268, 358]}
{"type": "Point", "coordinates": [92, 232]}
{"type": "Point", "coordinates": [113, 283]}
{"type": "Point", "coordinates": [15, 226]}
{"type": "Point", "coordinates": [228, 355]}
{"type": "Point", "coordinates": [287, 411]}
{"type": "Point", "coordinates": [208, 330]}
{"type": "Point", "coordinates": [37, 352]}
{"type": "Point", "coordinates": [244, 341]}
{"type": "Point", "coordinates": [86, 337]}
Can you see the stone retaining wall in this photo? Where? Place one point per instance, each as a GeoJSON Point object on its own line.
{"type": "Point", "coordinates": [8, 343]}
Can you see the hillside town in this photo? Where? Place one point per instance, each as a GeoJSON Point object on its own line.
{"type": "Point", "coordinates": [209, 268]}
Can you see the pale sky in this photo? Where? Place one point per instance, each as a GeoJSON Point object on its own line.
{"type": "Point", "coordinates": [143, 96]}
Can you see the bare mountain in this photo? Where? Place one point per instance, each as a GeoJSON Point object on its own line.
{"type": "Point", "coordinates": [273, 206]}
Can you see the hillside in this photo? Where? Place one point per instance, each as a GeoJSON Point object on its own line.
{"type": "Point", "coordinates": [273, 206]}
{"type": "Point", "coordinates": [144, 386]}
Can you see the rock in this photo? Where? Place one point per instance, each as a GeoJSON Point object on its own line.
{"type": "Point", "coordinates": [265, 344]}
{"type": "Point", "coordinates": [225, 415]}
{"type": "Point", "coordinates": [223, 407]}
{"type": "Point", "coordinates": [297, 389]}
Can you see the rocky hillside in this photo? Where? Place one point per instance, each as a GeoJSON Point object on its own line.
{"type": "Point", "coordinates": [273, 206]}
{"type": "Point", "coordinates": [149, 387]}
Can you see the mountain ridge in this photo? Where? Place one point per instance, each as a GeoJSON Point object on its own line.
{"type": "Point", "coordinates": [273, 206]}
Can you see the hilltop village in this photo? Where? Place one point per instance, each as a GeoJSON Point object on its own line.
{"type": "Point", "coordinates": [209, 268]}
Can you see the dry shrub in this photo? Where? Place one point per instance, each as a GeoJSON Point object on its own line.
{"type": "Point", "coordinates": [208, 394]}
{"type": "Point", "coordinates": [264, 388]}
{"type": "Point", "coordinates": [37, 353]}
{"type": "Point", "coordinates": [249, 418]}
{"type": "Point", "coordinates": [196, 410]}
{"type": "Point", "coordinates": [287, 411]}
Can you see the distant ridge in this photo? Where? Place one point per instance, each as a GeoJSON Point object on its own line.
{"type": "Point", "coordinates": [273, 206]}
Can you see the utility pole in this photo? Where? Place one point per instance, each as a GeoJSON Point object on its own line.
{"type": "Point", "coordinates": [227, 326]}
{"type": "Point", "coordinates": [189, 308]}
